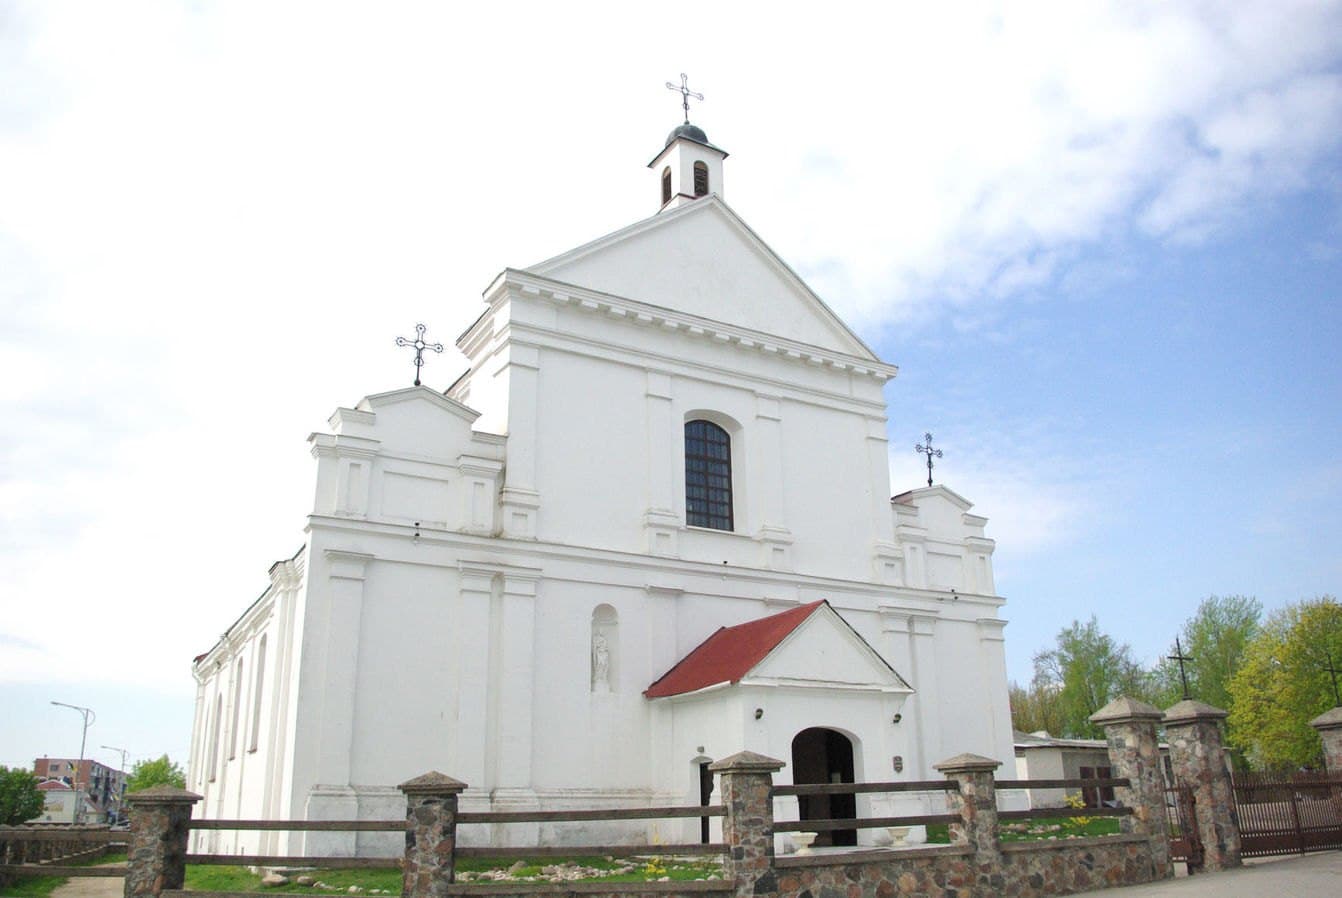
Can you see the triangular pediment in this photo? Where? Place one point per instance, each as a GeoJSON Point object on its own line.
{"type": "Point", "coordinates": [419, 394]}
{"type": "Point", "coordinates": [704, 260]}
{"type": "Point", "coordinates": [825, 651]}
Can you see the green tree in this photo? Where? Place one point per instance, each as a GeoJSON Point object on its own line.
{"type": "Point", "coordinates": [1087, 670]}
{"type": "Point", "coordinates": [20, 801]}
{"type": "Point", "coordinates": [1216, 637]}
{"type": "Point", "coordinates": [1034, 708]}
{"type": "Point", "coordinates": [1282, 684]}
{"type": "Point", "coordinates": [158, 772]}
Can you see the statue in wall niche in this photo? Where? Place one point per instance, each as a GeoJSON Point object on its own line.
{"type": "Point", "coordinates": [600, 663]}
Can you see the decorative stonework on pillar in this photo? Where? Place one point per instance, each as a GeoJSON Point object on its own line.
{"type": "Point", "coordinates": [747, 790]}
{"type": "Point", "coordinates": [431, 835]}
{"type": "Point", "coordinates": [976, 803]}
{"type": "Point", "coordinates": [1134, 754]}
{"type": "Point", "coordinates": [158, 835]}
{"type": "Point", "coordinates": [1329, 725]}
{"type": "Point", "coordinates": [1193, 730]}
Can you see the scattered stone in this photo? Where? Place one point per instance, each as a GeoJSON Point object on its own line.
{"type": "Point", "coordinates": [516, 868]}
{"type": "Point", "coordinates": [354, 890]}
{"type": "Point", "coordinates": [305, 880]}
{"type": "Point", "coordinates": [274, 879]}
{"type": "Point", "coordinates": [321, 885]}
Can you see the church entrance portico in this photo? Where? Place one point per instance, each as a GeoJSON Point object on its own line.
{"type": "Point", "coordinates": [822, 755]}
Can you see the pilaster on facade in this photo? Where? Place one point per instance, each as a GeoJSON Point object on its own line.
{"type": "Point", "coordinates": [662, 528]}
{"type": "Point", "coordinates": [520, 510]}
{"type": "Point", "coordinates": [775, 548]}
{"type": "Point", "coordinates": [978, 563]}
{"type": "Point", "coordinates": [914, 542]}
{"type": "Point", "coordinates": [887, 562]}
{"type": "Point", "coordinates": [520, 499]}
{"type": "Point", "coordinates": [479, 487]}
{"type": "Point", "coordinates": [338, 674]}
{"type": "Point", "coordinates": [344, 472]}
{"type": "Point", "coordinates": [767, 444]}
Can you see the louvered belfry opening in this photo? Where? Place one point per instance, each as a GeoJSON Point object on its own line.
{"type": "Point", "coordinates": [666, 185]}
{"type": "Point", "coordinates": [708, 476]}
{"type": "Point", "coordinates": [700, 179]}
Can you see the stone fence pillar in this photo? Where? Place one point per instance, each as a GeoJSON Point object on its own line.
{"type": "Point", "coordinates": [976, 803]}
{"type": "Point", "coordinates": [1134, 753]}
{"type": "Point", "coordinates": [431, 834]}
{"type": "Point", "coordinates": [1193, 730]}
{"type": "Point", "coordinates": [747, 785]}
{"type": "Point", "coordinates": [1329, 725]}
{"type": "Point", "coordinates": [159, 819]}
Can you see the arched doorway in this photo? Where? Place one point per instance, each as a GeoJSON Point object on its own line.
{"type": "Point", "coordinates": [821, 755]}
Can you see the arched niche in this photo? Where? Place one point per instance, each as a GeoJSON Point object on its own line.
{"type": "Point", "coordinates": [605, 650]}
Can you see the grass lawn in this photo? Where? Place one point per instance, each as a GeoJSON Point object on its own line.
{"type": "Point", "coordinates": [42, 886]}
{"type": "Point", "coordinates": [1033, 830]}
{"type": "Point", "coordinates": [205, 878]}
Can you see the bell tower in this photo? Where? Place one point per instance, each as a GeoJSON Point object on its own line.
{"type": "Point", "coordinates": [687, 168]}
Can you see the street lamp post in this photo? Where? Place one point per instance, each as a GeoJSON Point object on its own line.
{"type": "Point", "coordinates": [89, 717]}
{"type": "Point", "coordinates": [121, 794]}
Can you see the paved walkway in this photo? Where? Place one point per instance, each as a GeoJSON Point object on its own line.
{"type": "Point", "coordinates": [1311, 875]}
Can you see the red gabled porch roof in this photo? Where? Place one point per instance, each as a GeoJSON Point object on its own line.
{"type": "Point", "coordinates": [730, 653]}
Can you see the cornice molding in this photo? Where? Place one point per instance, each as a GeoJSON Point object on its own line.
{"type": "Point", "coordinates": [514, 284]}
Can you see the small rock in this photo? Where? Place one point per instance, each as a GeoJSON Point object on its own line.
{"type": "Point", "coordinates": [354, 890]}
{"type": "Point", "coordinates": [274, 879]}
{"type": "Point", "coordinates": [305, 880]}
{"type": "Point", "coordinates": [516, 868]}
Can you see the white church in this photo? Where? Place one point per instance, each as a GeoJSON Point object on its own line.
{"type": "Point", "coordinates": [651, 526]}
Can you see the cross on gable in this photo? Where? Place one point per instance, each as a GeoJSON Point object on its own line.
{"type": "Point", "coordinates": [419, 346]}
{"type": "Point", "coordinates": [930, 453]}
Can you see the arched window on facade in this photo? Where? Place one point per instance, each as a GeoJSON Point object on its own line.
{"type": "Point", "coordinates": [666, 185]}
{"type": "Point", "coordinates": [237, 712]}
{"type": "Point", "coordinates": [708, 476]}
{"type": "Point", "coordinates": [700, 179]}
{"type": "Point", "coordinates": [256, 693]}
{"type": "Point", "coordinates": [212, 767]}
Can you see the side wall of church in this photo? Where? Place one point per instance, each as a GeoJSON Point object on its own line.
{"type": "Point", "coordinates": [243, 726]}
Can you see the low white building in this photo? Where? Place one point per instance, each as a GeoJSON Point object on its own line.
{"type": "Point", "coordinates": [662, 433]}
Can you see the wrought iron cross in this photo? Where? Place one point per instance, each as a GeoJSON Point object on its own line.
{"type": "Point", "coordinates": [1333, 672]}
{"type": "Point", "coordinates": [420, 346]}
{"type": "Point", "coordinates": [685, 94]}
{"type": "Point", "coordinates": [929, 452]}
{"type": "Point", "coordinates": [1181, 658]}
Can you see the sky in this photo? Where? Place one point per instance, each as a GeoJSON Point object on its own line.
{"type": "Point", "coordinates": [1102, 241]}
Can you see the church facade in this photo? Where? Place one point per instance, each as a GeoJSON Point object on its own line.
{"type": "Point", "coordinates": [649, 527]}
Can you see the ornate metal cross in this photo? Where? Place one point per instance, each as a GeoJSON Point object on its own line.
{"type": "Point", "coordinates": [1181, 658]}
{"type": "Point", "coordinates": [420, 346]}
{"type": "Point", "coordinates": [929, 452]}
{"type": "Point", "coordinates": [1333, 672]}
{"type": "Point", "coordinates": [685, 94]}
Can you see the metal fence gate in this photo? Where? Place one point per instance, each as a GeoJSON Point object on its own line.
{"type": "Point", "coordinates": [1288, 813]}
{"type": "Point", "coordinates": [1185, 843]}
